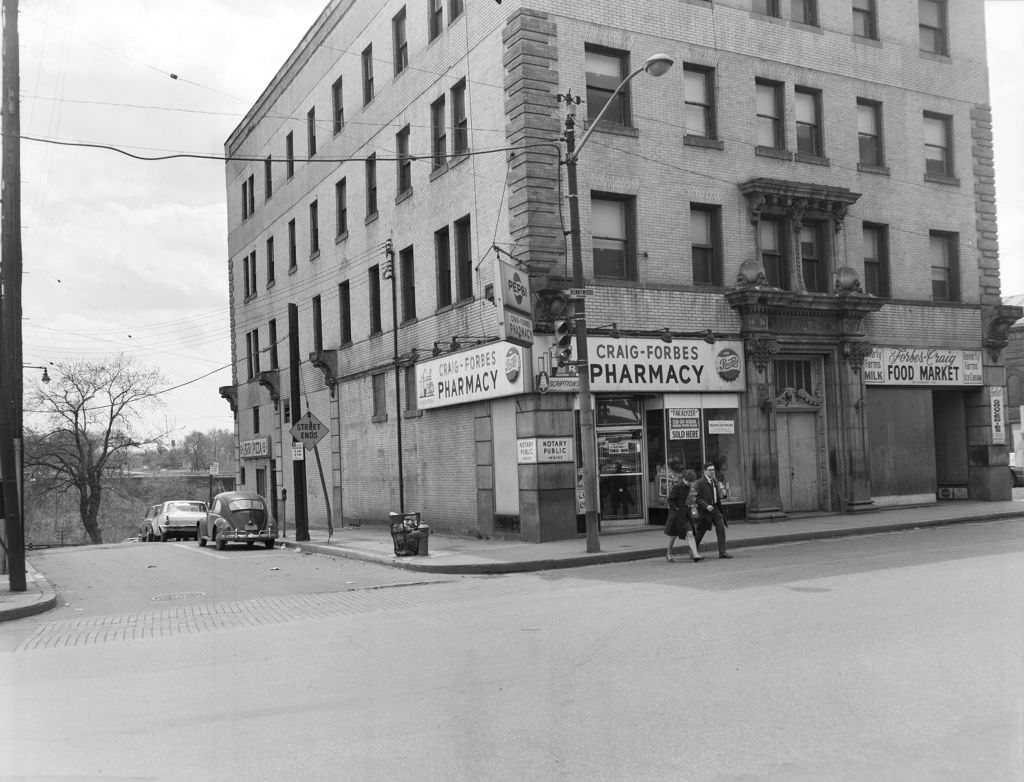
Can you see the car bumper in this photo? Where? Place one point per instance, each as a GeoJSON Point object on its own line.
{"type": "Point", "coordinates": [179, 530]}
{"type": "Point", "coordinates": [245, 536]}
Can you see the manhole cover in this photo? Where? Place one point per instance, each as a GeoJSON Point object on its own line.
{"type": "Point", "coordinates": [179, 596]}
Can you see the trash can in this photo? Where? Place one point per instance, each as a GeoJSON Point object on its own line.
{"type": "Point", "coordinates": [420, 540]}
{"type": "Point", "coordinates": [405, 534]}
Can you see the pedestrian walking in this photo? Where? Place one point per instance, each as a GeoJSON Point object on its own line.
{"type": "Point", "coordinates": [710, 492]}
{"type": "Point", "coordinates": [682, 510]}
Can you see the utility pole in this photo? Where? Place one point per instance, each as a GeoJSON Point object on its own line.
{"type": "Point", "coordinates": [588, 438]}
{"type": "Point", "coordinates": [11, 390]}
{"type": "Point", "coordinates": [298, 465]}
{"type": "Point", "coordinates": [389, 274]}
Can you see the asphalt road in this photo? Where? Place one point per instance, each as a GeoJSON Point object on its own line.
{"type": "Point", "coordinates": [889, 657]}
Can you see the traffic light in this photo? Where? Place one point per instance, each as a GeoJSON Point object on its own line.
{"type": "Point", "coordinates": [565, 333]}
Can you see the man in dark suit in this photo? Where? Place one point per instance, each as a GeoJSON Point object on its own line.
{"type": "Point", "coordinates": [710, 493]}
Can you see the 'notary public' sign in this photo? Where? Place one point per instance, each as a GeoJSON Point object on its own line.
{"type": "Point", "coordinates": [545, 450]}
{"type": "Point", "coordinates": [923, 367]}
{"type": "Point", "coordinates": [487, 372]}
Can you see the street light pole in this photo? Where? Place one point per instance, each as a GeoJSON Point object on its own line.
{"type": "Point", "coordinates": [655, 65]}
{"type": "Point", "coordinates": [11, 381]}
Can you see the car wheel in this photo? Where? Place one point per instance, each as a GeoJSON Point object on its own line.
{"type": "Point", "coordinates": [269, 543]}
{"type": "Point", "coordinates": [149, 536]}
{"type": "Point", "coordinates": [199, 538]}
{"type": "Point", "coordinates": [221, 543]}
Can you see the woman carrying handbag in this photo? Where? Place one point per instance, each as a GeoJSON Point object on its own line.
{"type": "Point", "coordinates": [682, 511]}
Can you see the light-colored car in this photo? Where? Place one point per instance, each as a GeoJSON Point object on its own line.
{"type": "Point", "coordinates": [237, 517]}
{"type": "Point", "coordinates": [175, 519]}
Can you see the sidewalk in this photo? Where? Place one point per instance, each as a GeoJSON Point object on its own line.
{"type": "Point", "coordinates": [472, 556]}
{"type": "Point", "coordinates": [450, 554]}
{"type": "Point", "coordinates": [38, 596]}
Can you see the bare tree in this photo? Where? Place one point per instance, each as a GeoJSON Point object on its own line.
{"type": "Point", "coordinates": [197, 450]}
{"type": "Point", "coordinates": [222, 449]}
{"type": "Point", "coordinates": [90, 418]}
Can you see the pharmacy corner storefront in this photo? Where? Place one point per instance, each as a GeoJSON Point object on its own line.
{"type": "Point", "coordinates": [660, 408]}
{"type": "Point", "coordinates": [931, 423]}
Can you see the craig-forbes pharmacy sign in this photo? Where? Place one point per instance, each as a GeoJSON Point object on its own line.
{"type": "Point", "coordinates": [653, 365]}
{"type": "Point", "coordinates": [487, 372]}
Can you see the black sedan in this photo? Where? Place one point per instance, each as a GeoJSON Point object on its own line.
{"type": "Point", "coordinates": [238, 517]}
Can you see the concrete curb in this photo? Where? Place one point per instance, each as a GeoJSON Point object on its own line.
{"type": "Point", "coordinates": [39, 596]}
{"type": "Point", "coordinates": [582, 560]}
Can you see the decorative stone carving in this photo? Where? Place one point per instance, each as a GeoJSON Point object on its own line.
{"type": "Point", "coordinates": [848, 280]}
{"type": "Point", "coordinates": [270, 380]}
{"type": "Point", "coordinates": [752, 274]}
{"type": "Point", "coordinates": [327, 362]}
{"type": "Point", "coordinates": [799, 397]}
{"type": "Point", "coordinates": [854, 354]}
{"type": "Point", "coordinates": [761, 350]}
{"type": "Point", "coordinates": [1001, 319]}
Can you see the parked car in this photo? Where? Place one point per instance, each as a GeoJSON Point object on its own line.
{"type": "Point", "coordinates": [1017, 473]}
{"type": "Point", "coordinates": [237, 517]}
{"type": "Point", "coordinates": [173, 519]}
{"type": "Point", "coordinates": [146, 532]}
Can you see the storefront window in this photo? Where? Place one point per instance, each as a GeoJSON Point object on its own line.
{"type": "Point", "coordinates": [684, 438]}
{"type": "Point", "coordinates": [618, 412]}
{"type": "Point", "coordinates": [722, 446]}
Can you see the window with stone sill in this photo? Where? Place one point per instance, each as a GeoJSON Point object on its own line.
{"type": "Point", "coordinates": [932, 27]}
{"type": "Point", "coordinates": [613, 235]}
{"type": "Point", "coordinates": [699, 96]}
{"type": "Point", "coordinates": [865, 19]}
{"type": "Point", "coordinates": [606, 69]}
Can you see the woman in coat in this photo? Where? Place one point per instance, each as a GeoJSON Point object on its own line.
{"type": "Point", "coordinates": [682, 508]}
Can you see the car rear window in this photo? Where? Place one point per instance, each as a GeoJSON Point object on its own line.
{"type": "Point", "coordinates": [187, 506]}
{"type": "Point", "coordinates": [245, 503]}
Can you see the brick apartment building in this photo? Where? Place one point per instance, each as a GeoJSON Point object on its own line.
{"type": "Point", "coordinates": [789, 245]}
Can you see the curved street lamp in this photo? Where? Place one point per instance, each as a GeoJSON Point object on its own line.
{"type": "Point", "coordinates": [655, 65]}
{"type": "Point", "coordinates": [46, 376]}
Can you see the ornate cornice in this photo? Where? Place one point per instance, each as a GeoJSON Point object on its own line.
{"type": "Point", "coordinates": [796, 199]}
{"type": "Point", "coordinates": [230, 393]}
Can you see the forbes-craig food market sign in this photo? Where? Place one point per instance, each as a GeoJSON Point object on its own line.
{"type": "Point", "coordinates": [487, 372]}
{"type": "Point", "coordinates": [923, 367]}
{"type": "Point", "coordinates": [653, 365]}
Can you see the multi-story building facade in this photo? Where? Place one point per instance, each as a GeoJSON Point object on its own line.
{"type": "Point", "coordinates": [1013, 358]}
{"type": "Point", "coordinates": [788, 241]}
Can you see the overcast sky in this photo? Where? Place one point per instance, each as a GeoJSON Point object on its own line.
{"type": "Point", "coordinates": [122, 255]}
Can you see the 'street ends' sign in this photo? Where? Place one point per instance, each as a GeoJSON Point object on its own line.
{"type": "Point", "coordinates": [309, 430]}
